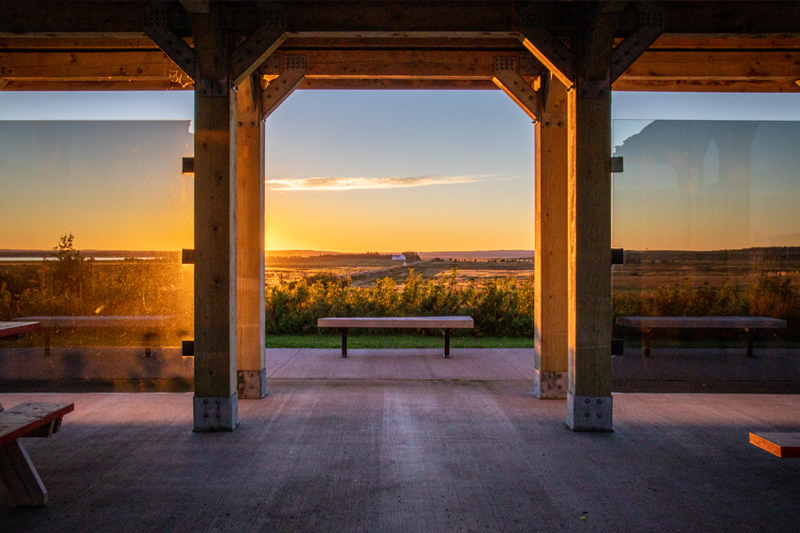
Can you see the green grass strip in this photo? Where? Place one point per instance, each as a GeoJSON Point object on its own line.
{"type": "Point", "coordinates": [392, 341]}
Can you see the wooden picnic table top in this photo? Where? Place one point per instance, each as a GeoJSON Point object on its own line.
{"type": "Point", "coordinates": [701, 322]}
{"type": "Point", "coordinates": [447, 322]}
{"type": "Point", "coordinates": [22, 419]}
{"type": "Point", "coordinates": [8, 329]}
{"type": "Point", "coordinates": [99, 321]}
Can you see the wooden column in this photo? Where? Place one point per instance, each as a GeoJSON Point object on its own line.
{"type": "Point", "coordinates": [215, 399]}
{"type": "Point", "coordinates": [250, 360]}
{"type": "Point", "coordinates": [589, 405]}
{"type": "Point", "coordinates": [551, 253]}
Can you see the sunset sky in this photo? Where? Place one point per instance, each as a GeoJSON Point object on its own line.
{"type": "Point", "coordinates": [346, 170]}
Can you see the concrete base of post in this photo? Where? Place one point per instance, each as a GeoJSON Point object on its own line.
{"type": "Point", "coordinates": [252, 384]}
{"type": "Point", "coordinates": [549, 385]}
{"type": "Point", "coordinates": [216, 414]}
{"type": "Point", "coordinates": [589, 413]}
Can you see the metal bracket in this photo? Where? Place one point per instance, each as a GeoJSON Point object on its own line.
{"type": "Point", "coordinates": [252, 383]}
{"type": "Point", "coordinates": [594, 88]}
{"type": "Point", "coordinates": [617, 165]}
{"type": "Point", "coordinates": [216, 414]}
{"type": "Point", "coordinates": [187, 348]}
{"type": "Point", "coordinates": [651, 26]}
{"type": "Point", "coordinates": [187, 256]}
{"type": "Point", "coordinates": [507, 79]}
{"type": "Point", "coordinates": [549, 385]}
{"type": "Point", "coordinates": [280, 88]}
{"type": "Point", "coordinates": [590, 413]}
{"type": "Point", "coordinates": [618, 347]}
{"type": "Point", "coordinates": [187, 165]}
{"type": "Point", "coordinates": [617, 256]}
{"type": "Point", "coordinates": [155, 23]}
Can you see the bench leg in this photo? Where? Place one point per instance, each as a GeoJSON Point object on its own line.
{"type": "Point", "coordinates": [20, 476]}
{"type": "Point", "coordinates": [751, 333]}
{"type": "Point", "coordinates": [446, 342]}
{"type": "Point", "coordinates": [344, 342]}
{"type": "Point", "coordinates": [646, 341]}
{"type": "Point", "coordinates": [46, 337]}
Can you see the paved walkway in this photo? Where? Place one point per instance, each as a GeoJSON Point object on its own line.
{"type": "Point", "coordinates": [412, 456]}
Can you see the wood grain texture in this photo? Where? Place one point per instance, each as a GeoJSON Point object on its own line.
{"type": "Point", "coordinates": [249, 229]}
{"type": "Point", "coordinates": [551, 234]}
{"type": "Point", "coordinates": [20, 476]}
{"type": "Point", "coordinates": [589, 245]}
{"type": "Point", "coordinates": [17, 421]}
{"type": "Point", "coordinates": [214, 244]}
{"type": "Point", "coordinates": [759, 322]}
{"type": "Point", "coordinates": [132, 321]}
{"type": "Point", "coordinates": [455, 322]}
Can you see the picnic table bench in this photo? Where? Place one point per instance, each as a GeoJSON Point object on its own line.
{"type": "Point", "coordinates": [147, 322]}
{"type": "Point", "coordinates": [749, 323]}
{"type": "Point", "coordinates": [11, 329]}
{"type": "Point", "coordinates": [445, 322]}
{"type": "Point", "coordinates": [16, 469]}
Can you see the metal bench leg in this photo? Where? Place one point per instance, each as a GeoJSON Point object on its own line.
{"type": "Point", "coordinates": [646, 340]}
{"type": "Point", "coordinates": [446, 342]}
{"type": "Point", "coordinates": [344, 342]}
{"type": "Point", "coordinates": [751, 333]}
{"type": "Point", "coordinates": [20, 476]}
{"type": "Point", "coordinates": [46, 337]}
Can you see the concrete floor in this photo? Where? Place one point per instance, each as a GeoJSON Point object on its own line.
{"type": "Point", "coordinates": [412, 455]}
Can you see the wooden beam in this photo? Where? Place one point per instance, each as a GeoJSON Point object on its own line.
{"type": "Point", "coordinates": [280, 88]}
{"type": "Point", "coordinates": [262, 43]}
{"type": "Point", "coordinates": [155, 22]}
{"type": "Point", "coordinates": [551, 255]}
{"type": "Point", "coordinates": [250, 318]}
{"type": "Point", "coordinates": [544, 45]}
{"type": "Point", "coordinates": [650, 27]}
{"type": "Point", "coordinates": [99, 66]}
{"type": "Point", "coordinates": [511, 83]}
{"type": "Point", "coordinates": [713, 66]}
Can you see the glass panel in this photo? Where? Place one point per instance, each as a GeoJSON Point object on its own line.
{"type": "Point", "coordinates": [706, 212]}
{"type": "Point", "coordinates": [93, 216]}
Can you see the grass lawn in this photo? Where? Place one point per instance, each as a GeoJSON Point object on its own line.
{"type": "Point", "coordinates": [356, 341]}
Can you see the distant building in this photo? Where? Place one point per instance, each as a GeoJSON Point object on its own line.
{"type": "Point", "coordinates": [400, 257]}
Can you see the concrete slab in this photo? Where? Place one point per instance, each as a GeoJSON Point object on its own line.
{"type": "Point", "coordinates": [347, 455]}
{"type": "Point", "coordinates": [406, 364]}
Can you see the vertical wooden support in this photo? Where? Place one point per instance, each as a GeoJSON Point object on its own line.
{"type": "Point", "coordinates": [20, 476]}
{"type": "Point", "coordinates": [589, 278]}
{"type": "Point", "coordinates": [215, 400]}
{"type": "Point", "coordinates": [250, 359]}
{"type": "Point", "coordinates": [551, 254]}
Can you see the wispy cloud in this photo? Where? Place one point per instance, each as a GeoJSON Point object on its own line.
{"type": "Point", "coordinates": [349, 184]}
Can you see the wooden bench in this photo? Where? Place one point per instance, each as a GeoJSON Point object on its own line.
{"type": "Point", "coordinates": [749, 323]}
{"type": "Point", "coordinates": [784, 445]}
{"type": "Point", "coordinates": [12, 329]}
{"type": "Point", "coordinates": [16, 469]}
{"type": "Point", "coordinates": [415, 322]}
{"type": "Point", "coordinates": [148, 322]}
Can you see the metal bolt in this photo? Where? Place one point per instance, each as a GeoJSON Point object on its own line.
{"type": "Point", "coordinates": [587, 401]}
{"type": "Point", "coordinates": [217, 400]}
{"type": "Point", "coordinates": [599, 415]}
{"type": "Point", "coordinates": [587, 415]}
{"type": "Point", "coordinates": [205, 401]}
{"type": "Point", "coordinates": [599, 401]}
{"type": "Point", "coordinates": [205, 415]}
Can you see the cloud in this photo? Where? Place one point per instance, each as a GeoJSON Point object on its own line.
{"type": "Point", "coordinates": [349, 184]}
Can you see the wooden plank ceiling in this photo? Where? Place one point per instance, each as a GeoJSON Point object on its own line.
{"type": "Point", "coordinates": [101, 45]}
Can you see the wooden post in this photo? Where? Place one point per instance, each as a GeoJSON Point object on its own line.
{"type": "Point", "coordinates": [215, 397]}
{"type": "Point", "coordinates": [551, 253]}
{"type": "Point", "coordinates": [589, 406]}
{"type": "Point", "coordinates": [250, 359]}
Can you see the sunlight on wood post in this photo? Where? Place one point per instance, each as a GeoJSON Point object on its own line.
{"type": "Point", "coordinates": [589, 405]}
{"type": "Point", "coordinates": [250, 354]}
{"type": "Point", "coordinates": [551, 254]}
{"type": "Point", "coordinates": [215, 399]}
